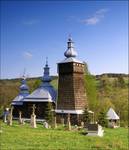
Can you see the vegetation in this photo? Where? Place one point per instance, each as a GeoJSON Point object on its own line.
{"type": "Point", "coordinates": [49, 114]}
{"type": "Point", "coordinates": [19, 137]}
{"type": "Point", "coordinates": [91, 91]}
{"type": "Point", "coordinates": [86, 117]}
{"type": "Point", "coordinates": [104, 91]}
{"type": "Point", "coordinates": [102, 119]}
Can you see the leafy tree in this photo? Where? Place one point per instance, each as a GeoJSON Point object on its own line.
{"type": "Point", "coordinates": [49, 114]}
{"type": "Point", "coordinates": [91, 91]}
{"type": "Point", "coordinates": [105, 87]}
{"type": "Point", "coordinates": [102, 119]}
{"type": "Point", "coordinates": [86, 117]}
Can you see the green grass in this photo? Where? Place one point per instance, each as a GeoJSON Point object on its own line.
{"type": "Point", "coordinates": [24, 137]}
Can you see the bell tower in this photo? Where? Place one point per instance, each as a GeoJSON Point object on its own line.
{"type": "Point", "coordinates": [71, 86]}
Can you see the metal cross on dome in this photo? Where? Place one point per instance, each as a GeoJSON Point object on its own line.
{"type": "Point", "coordinates": [46, 61]}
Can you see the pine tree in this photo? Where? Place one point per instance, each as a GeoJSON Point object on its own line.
{"type": "Point", "coordinates": [86, 117]}
{"type": "Point", "coordinates": [49, 114]}
{"type": "Point", "coordinates": [102, 119]}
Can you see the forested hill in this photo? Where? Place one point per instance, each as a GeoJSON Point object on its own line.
{"type": "Point", "coordinates": [103, 91]}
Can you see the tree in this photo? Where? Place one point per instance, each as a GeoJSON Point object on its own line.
{"type": "Point", "coordinates": [105, 87]}
{"type": "Point", "coordinates": [115, 83]}
{"type": "Point", "coordinates": [86, 117]}
{"type": "Point", "coordinates": [102, 119]}
{"type": "Point", "coordinates": [121, 82]}
{"type": "Point", "coordinates": [1, 110]}
{"type": "Point", "coordinates": [91, 91]}
{"type": "Point", "coordinates": [49, 114]}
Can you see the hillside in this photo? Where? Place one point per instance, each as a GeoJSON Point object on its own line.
{"type": "Point", "coordinates": [18, 137]}
{"type": "Point", "coordinates": [106, 90]}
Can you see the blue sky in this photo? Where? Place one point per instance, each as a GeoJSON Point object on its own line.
{"type": "Point", "coordinates": [34, 30]}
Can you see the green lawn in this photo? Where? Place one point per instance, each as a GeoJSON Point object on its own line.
{"type": "Point", "coordinates": [24, 137]}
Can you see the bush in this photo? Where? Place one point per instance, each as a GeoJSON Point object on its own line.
{"type": "Point", "coordinates": [102, 119]}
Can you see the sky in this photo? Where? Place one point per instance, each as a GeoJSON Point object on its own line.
{"type": "Point", "coordinates": [34, 30]}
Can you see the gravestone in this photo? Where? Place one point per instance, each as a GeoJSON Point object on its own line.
{"type": "Point", "coordinates": [33, 117]}
{"type": "Point", "coordinates": [95, 130]}
{"type": "Point", "coordinates": [46, 125]}
{"type": "Point", "coordinates": [10, 117]}
{"type": "Point", "coordinates": [82, 124]}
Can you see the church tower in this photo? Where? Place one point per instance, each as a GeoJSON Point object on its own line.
{"type": "Point", "coordinates": [71, 86]}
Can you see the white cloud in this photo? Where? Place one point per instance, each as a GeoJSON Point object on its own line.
{"type": "Point", "coordinates": [96, 18]}
{"type": "Point", "coordinates": [27, 55]}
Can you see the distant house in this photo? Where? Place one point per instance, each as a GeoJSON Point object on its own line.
{"type": "Point", "coordinates": [113, 119]}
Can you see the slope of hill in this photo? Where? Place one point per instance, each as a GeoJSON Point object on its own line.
{"type": "Point", "coordinates": [109, 90]}
{"type": "Point", "coordinates": [17, 137]}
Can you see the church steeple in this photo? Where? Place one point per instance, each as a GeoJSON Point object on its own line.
{"type": "Point", "coordinates": [70, 52]}
{"type": "Point", "coordinates": [46, 77]}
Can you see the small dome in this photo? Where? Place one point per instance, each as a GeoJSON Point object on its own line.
{"type": "Point", "coordinates": [24, 85]}
{"type": "Point", "coordinates": [70, 52]}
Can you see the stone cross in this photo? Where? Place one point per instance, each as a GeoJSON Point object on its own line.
{"type": "Point", "coordinates": [33, 117]}
{"type": "Point", "coordinates": [68, 122]}
{"type": "Point", "coordinates": [20, 118]}
{"type": "Point", "coordinates": [12, 110]}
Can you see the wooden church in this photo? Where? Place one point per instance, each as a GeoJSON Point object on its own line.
{"type": "Point", "coordinates": [71, 99]}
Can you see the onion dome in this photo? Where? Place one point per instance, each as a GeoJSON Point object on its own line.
{"type": "Point", "coordinates": [70, 52]}
{"type": "Point", "coordinates": [24, 89]}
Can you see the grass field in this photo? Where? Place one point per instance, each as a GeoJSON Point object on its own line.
{"type": "Point", "coordinates": [23, 137]}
